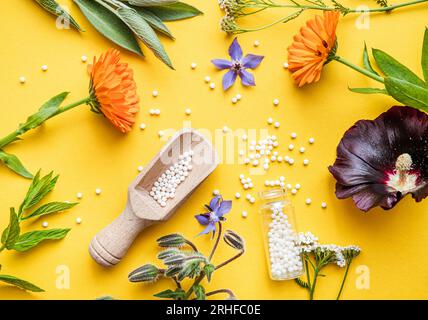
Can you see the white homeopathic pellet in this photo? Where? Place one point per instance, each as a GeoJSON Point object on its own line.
{"type": "Point", "coordinates": [239, 96]}
{"type": "Point", "coordinates": [269, 120]}
{"type": "Point", "coordinates": [297, 186]}
{"type": "Point", "coordinates": [323, 205]}
{"type": "Point", "coordinates": [276, 124]}
{"type": "Point", "coordinates": [244, 214]}
{"type": "Point", "coordinates": [98, 191]}
{"type": "Point", "coordinates": [142, 126]}
{"type": "Point", "coordinates": [216, 192]}
{"type": "Point", "coordinates": [157, 112]}
{"type": "Point", "coordinates": [188, 111]}
{"type": "Point", "coordinates": [78, 220]}
{"type": "Point", "coordinates": [84, 58]}
{"type": "Point", "coordinates": [302, 150]}
{"type": "Point", "coordinates": [225, 129]}
{"type": "Point", "coordinates": [193, 65]}
{"type": "Point", "coordinates": [275, 102]}
{"type": "Point", "coordinates": [293, 135]}
{"type": "Point", "coordinates": [155, 93]}
{"type": "Point", "coordinates": [44, 67]}
{"type": "Point", "coordinates": [234, 100]}
{"type": "Point", "coordinates": [45, 224]}
{"type": "Point", "coordinates": [256, 43]}
{"type": "Point", "coordinates": [79, 195]}
{"type": "Point", "coordinates": [212, 85]}
{"type": "Point", "coordinates": [308, 201]}
{"type": "Point", "coordinates": [293, 191]}
{"type": "Point", "coordinates": [286, 65]}
{"type": "Point", "coordinates": [305, 162]}
{"type": "Point", "coordinates": [237, 195]}
{"type": "Point", "coordinates": [22, 79]}
{"type": "Point", "coordinates": [140, 168]}
{"type": "Point", "coordinates": [290, 146]}
{"type": "Point", "coordinates": [291, 161]}
{"type": "Point", "coordinates": [311, 140]}
{"type": "Point", "coordinates": [207, 79]}
{"type": "Point", "coordinates": [160, 133]}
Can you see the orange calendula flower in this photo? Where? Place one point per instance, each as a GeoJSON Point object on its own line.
{"type": "Point", "coordinates": [312, 48]}
{"type": "Point", "coordinates": [113, 90]}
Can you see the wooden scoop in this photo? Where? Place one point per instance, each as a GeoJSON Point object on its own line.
{"type": "Point", "coordinates": [110, 245]}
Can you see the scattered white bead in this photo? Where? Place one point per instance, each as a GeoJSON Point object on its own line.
{"type": "Point", "coordinates": [269, 120]}
{"type": "Point", "coordinates": [286, 65]}
{"type": "Point", "coordinates": [276, 102]}
{"type": "Point", "coordinates": [239, 96]}
{"type": "Point", "coordinates": [302, 150]}
{"type": "Point", "coordinates": [84, 58]}
{"type": "Point", "coordinates": [323, 205]}
{"type": "Point", "coordinates": [160, 133]}
{"type": "Point", "coordinates": [255, 163]}
{"type": "Point", "coordinates": [188, 111]}
{"type": "Point", "coordinates": [157, 112]}
{"type": "Point", "coordinates": [216, 192]}
{"type": "Point", "coordinates": [252, 200]}
{"type": "Point", "coordinates": [237, 195]}
{"type": "Point", "coordinates": [293, 191]}
{"type": "Point", "coordinates": [98, 191]}
{"type": "Point", "coordinates": [291, 161]}
{"type": "Point", "coordinates": [244, 214]}
{"type": "Point", "coordinates": [193, 65]}
{"type": "Point", "coordinates": [207, 79]}
{"type": "Point", "coordinates": [289, 186]}
{"type": "Point", "coordinates": [311, 140]}
{"type": "Point", "coordinates": [44, 67]}
{"type": "Point", "coordinates": [155, 93]}
{"type": "Point", "coordinates": [212, 85]}
{"type": "Point", "coordinates": [305, 162]}
{"type": "Point", "coordinates": [256, 43]}
{"type": "Point", "coordinates": [293, 135]}
{"type": "Point", "coordinates": [244, 137]}
{"type": "Point", "coordinates": [22, 79]}
{"type": "Point", "coordinates": [308, 201]}
{"type": "Point", "coordinates": [79, 195]}
{"type": "Point", "coordinates": [297, 186]}
{"type": "Point", "coordinates": [234, 100]}
{"type": "Point", "coordinates": [290, 147]}
{"type": "Point", "coordinates": [142, 126]}
{"type": "Point", "coordinates": [78, 220]}
{"type": "Point", "coordinates": [45, 224]}
{"type": "Point", "coordinates": [276, 124]}
{"type": "Point", "coordinates": [140, 168]}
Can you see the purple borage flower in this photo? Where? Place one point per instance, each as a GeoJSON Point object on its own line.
{"type": "Point", "coordinates": [238, 66]}
{"type": "Point", "coordinates": [380, 161]}
{"type": "Point", "coordinates": [217, 209]}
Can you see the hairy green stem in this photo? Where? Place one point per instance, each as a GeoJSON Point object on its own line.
{"type": "Point", "coordinates": [192, 245]}
{"type": "Point", "coordinates": [348, 264]}
{"type": "Point", "coordinates": [216, 242]}
{"type": "Point", "coordinates": [359, 69]}
{"type": "Point", "coordinates": [229, 292]}
{"type": "Point", "coordinates": [13, 136]}
{"type": "Point", "coordinates": [230, 260]}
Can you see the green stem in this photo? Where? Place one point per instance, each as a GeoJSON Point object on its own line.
{"type": "Point", "coordinates": [192, 245]}
{"type": "Point", "coordinates": [197, 281]}
{"type": "Point", "coordinates": [229, 260]}
{"type": "Point", "coordinates": [229, 292]}
{"type": "Point", "coordinates": [308, 275]}
{"type": "Point", "coordinates": [344, 279]}
{"type": "Point", "coordinates": [312, 290]}
{"type": "Point", "coordinates": [15, 134]}
{"type": "Point", "coordinates": [216, 242]}
{"type": "Point", "coordinates": [359, 69]}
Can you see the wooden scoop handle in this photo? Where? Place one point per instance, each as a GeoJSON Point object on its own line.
{"type": "Point", "coordinates": [110, 245]}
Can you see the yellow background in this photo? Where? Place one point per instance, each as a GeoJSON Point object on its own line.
{"type": "Point", "coordinates": [88, 153]}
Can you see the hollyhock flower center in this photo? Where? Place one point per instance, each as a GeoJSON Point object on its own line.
{"type": "Point", "coordinates": [403, 178]}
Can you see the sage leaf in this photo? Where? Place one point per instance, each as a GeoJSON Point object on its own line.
{"type": "Point", "coordinates": [151, 3]}
{"type": "Point", "coordinates": [39, 188]}
{"type": "Point", "coordinates": [31, 239]}
{"type": "Point", "coordinates": [407, 93]}
{"type": "Point", "coordinates": [46, 111]}
{"type": "Point", "coordinates": [425, 55]}
{"type": "Point", "coordinates": [13, 163]}
{"type": "Point", "coordinates": [392, 68]}
{"type": "Point", "coordinates": [109, 25]}
{"type": "Point", "coordinates": [10, 235]}
{"type": "Point", "coordinates": [176, 11]}
{"type": "Point", "coordinates": [49, 208]}
{"type": "Point", "coordinates": [55, 8]}
{"type": "Point", "coordinates": [369, 90]}
{"type": "Point", "coordinates": [22, 284]}
{"type": "Point", "coordinates": [366, 61]}
{"type": "Point", "coordinates": [177, 294]}
{"type": "Point", "coordinates": [144, 32]}
{"type": "Point", "coordinates": [155, 22]}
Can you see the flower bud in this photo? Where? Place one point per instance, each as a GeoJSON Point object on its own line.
{"type": "Point", "coordinates": [171, 240]}
{"type": "Point", "coordinates": [176, 259]}
{"type": "Point", "coordinates": [172, 271]}
{"type": "Point", "coordinates": [148, 272]}
{"type": "Point", "coordinates": [168, 253]}
{"type": "Point", "coordinates": [234, 240]}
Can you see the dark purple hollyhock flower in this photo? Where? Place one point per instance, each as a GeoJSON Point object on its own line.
{"type": "Point", "coordinates": [217, 209]}
{"type": "Point", "coordinates": [380, 161]}
{"type": "Point", "coordinates": [238, 66]}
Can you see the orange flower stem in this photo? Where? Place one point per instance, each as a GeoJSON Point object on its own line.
{"type": "Point", "coordinates": [358, 69]}
{"type": "Point", "coordinates": [13, 136]}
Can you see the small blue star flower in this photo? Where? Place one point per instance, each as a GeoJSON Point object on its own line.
{"type": "Point", "coordinates": [217, 209]}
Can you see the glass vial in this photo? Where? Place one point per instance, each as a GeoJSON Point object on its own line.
{"type": "Point", "coordinates": [278, 227]}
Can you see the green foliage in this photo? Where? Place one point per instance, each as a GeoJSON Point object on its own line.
{"type": "Point", "coordinates": [54, 8]}
{"type": "Point", "coordinates": [13, 239]}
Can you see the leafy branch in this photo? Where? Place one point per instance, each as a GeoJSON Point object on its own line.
{"type": "Point", "coordinates": [13, 239]}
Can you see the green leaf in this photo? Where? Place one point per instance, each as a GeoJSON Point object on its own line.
{"type": "Point", "coordinates": [151, 3]}
{"type": "Point", "coordinates": [176, 11]}
{"type": "Point", "coordinates": [144, 32]}
{"type": "Point", "coordinates": [10, 235]}
{"type": "Point", "coordinates": [46, 111]}
{"type": "Point", "coordinates": [302, 283]}
{"type": "Point", "coordinates": [39, 188]}
{"type": "Point", "coordinates": [31, 239]}
{"type": "Point", "coordinates": [369, 90]}
{"type": "Point", "coordinates": [209, 269]}
{"type": "Point", "coordinates": [392, 68]}
{"type": "Point", "coordinates": [55, 8]}
{"type": "Point", "coordinates": [169, 294]}
{"type": "Point", "coordinates": [425, 55]}
{"type": "Point", "coordinates": [407, 93]}
{"type": "Point", "coordinates": [109, 25]}
{"type": "Point", "coordinates": [20, 283]}
{"type": "Point", "coordinates": [199, 292]}
{"type": "Point", "coordinates": [366, 61]}
{"type": "Point", "coordinates": [49, 208]}
{"type": "Point", "coordinates": [13, 163]}
{"type": "Point", "coordinates": [155, 22]}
